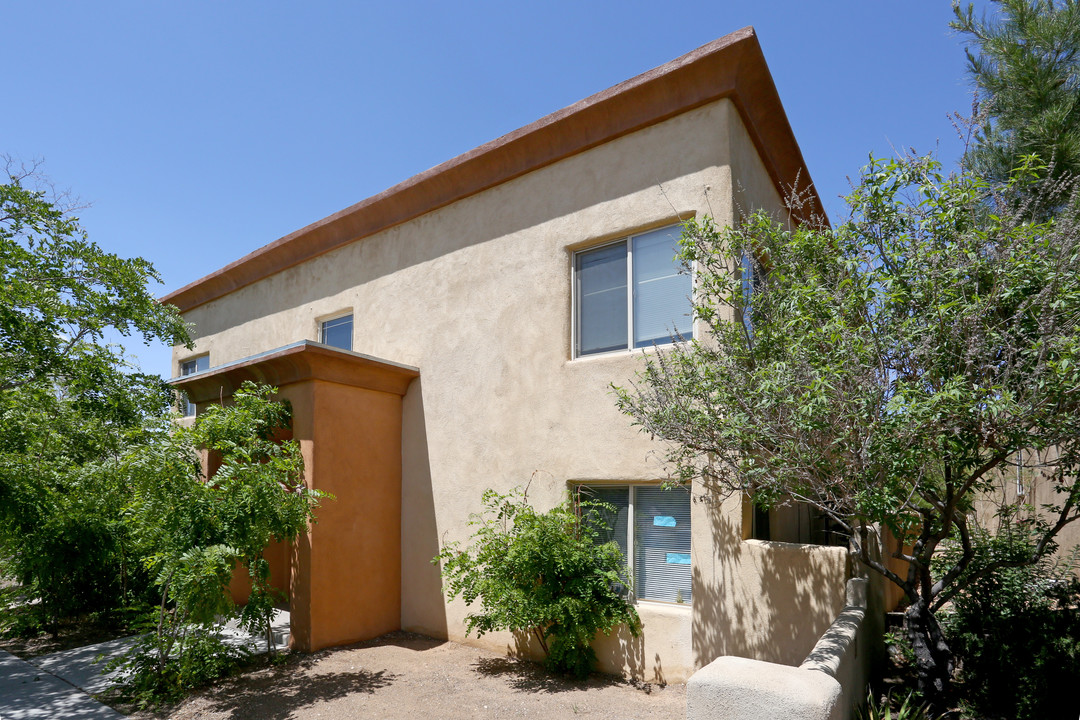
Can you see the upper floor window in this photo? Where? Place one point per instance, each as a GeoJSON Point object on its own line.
{"type": "Point", "coordinates": [631, 294]}
{"type": "Point", "coordinates": [337, 332]}
{"type": "Point", "coordinates": [190, 367]}
{"type": "Point", "coordinates": [194, 365]}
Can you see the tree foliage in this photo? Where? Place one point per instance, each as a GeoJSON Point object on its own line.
{"type": "Point", "coordinates": [69, 404]}
{"type": "Point", "coordinates": [103, 498]}
{"type": "Point", "coordinates": [1018, 632]}
{"type": "Point", "coordinates": [1025, 64]}
{"type": "Point", "coordinates": [545, 574]}
{"type": "Point", "coordinates": [196, 527]}
{"type": "Point", "coordinates": [60, 293]}
{"type": "Point", "coordinates": [62, 530]}
{"type": "Point", "coordinates": [882, 371]}
{"type": "Point", "coordinates": [197, 530]}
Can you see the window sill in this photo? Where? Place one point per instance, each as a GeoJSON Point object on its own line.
{"type": "Point", "coordinates": [661, 605]}
{"type": "Point", "coordinates": [634, 352]}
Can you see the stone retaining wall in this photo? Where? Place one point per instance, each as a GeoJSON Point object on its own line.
{"type": "Point", "coordinates": [828, 685]}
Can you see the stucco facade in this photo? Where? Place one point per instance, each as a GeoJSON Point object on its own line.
{"type": "Point", "coordinates": [465, 275]}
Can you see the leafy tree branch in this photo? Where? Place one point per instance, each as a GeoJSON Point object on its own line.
{"type": "Point", "coordinates": [896, 363]}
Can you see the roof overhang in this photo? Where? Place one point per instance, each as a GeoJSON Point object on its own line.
{"type": "Point", "coordinates": [304, 360]}
{"type": "Point", "coordinates": [732, 67]}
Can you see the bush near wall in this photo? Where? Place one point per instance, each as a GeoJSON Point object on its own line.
{"type": "Point", "coordinates": [1017, 634]}
{"type": "Point", "coordinates": [542, 573]}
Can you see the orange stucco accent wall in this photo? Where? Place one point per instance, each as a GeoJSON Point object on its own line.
{"type": "Point", "coordinates": [344, 575]}
{"type": "Point", "coordinates": [347, 577]}
{"type": "Point", "coordinates": [279, 555]}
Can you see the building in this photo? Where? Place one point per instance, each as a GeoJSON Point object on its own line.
{"type": "Point", "coordinates": [460, 331]}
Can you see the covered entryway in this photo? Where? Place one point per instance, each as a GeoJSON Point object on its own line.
{"type": "Point", "coordinates": [343, 577]}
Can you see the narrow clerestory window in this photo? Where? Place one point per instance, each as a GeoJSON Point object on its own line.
{"type": "Point", "coordinates": [337, 332]}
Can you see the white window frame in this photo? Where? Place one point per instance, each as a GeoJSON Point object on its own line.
{"type": "Point", "coordinates": [320, 325]}
{"type": "Point", "coordinates": [190, 366]}
{"type": "Point", "coordinates": [630, 532]}
{"type": "Point", "coordinates": [575, 301]}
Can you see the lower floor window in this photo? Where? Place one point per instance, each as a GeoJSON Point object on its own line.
{"type": "Point", "coordinates": [795, 523]}
{"type": "Point", "coordinates": [655, 524]}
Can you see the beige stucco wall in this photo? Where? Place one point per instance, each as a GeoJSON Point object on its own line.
{"type": "Point", "coordinates": [477, 295]}
{"type": "Point", "coordinates": [752, 187]}
{"type": "Point", "coordinates": [1036, 479]}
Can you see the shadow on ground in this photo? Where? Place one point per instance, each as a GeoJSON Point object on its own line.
{"type": "Point", "coordinates": [402, 639]}
{"type": "Point", "coordinates": [278, 695]}
{"type": "Point", "coordinates": [529, 676]}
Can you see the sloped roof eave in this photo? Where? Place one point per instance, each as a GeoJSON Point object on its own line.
{"type": "Point", "coordinates": [731, 67]}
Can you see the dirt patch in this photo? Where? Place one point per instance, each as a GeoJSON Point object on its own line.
{"type": "Point", "coordinates": [403, 675]}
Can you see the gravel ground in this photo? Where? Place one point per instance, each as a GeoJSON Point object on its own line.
{"type": "Point", "coordinates": [403, 675]}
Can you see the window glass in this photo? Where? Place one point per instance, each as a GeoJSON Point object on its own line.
{"type": "Point", "coordinates": [601, 281]}
{"type": "Point", "coordinates": [662, 544]}
{"type": "Point", "coordinates": [617, 521]}
{"type": "Point", "coordinates": [631, 294]}
{"type": "Point", "coordinates": [195, 365]}
{"type": "Point", "coordinates": [751, 283]}
{"type": "Point", "coordinates": [190, 367]}
{"type": "Point", "coordinates": [337, 332]}
{"type": "Point", "coordinates": [659, 534]}
{"type": "Point", "coordinates": [661, 292]}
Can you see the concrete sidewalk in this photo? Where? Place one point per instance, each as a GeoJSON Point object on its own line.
{"type": "Point", "coordinates": [28, 693]}
{"type": "Point", "coordinates": [57, 685]}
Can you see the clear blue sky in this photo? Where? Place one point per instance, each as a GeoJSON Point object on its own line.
{"type": "Point", "coordinates": [200, 131]}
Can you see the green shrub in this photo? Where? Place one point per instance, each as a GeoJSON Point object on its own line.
{"type": "Point", "coordinates": [63, 534]}
{"type": "Point", "coordinates": [541, 573]}
{"type": "Point", "coordinates": [198, 530]}
{"type": "Point", "coordinates": [149, 682]}
{"type": "Point", "coordinates": [1017, 633]}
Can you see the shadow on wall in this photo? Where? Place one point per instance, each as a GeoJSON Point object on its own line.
{"type": "Point", "coordinates": [620, 649]}
{"type": "Point", "coordinates": [422, 606]}
{"type": "Point", "coordinates": [619, 653]}
{"type": "Point", "coordinates": [759, 599]}
{"type": "Point", "coordinates": [525, 647]}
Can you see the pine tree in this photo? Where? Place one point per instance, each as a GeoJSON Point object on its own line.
{"type": "Point", "coordinates": [1025, 65]}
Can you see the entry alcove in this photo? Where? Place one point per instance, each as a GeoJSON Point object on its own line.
{"type": "Point", "coordinates": [343, 577]}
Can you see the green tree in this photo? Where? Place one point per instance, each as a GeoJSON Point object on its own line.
{"type": "Point", "coordinates": [62, 530]}
{"type": "Point", "coordinates": [68, 402]}
{"type": "Point", "coordinates": [1018, 632]}
{"type": "Point", "coordinates": [1025, 65]}
{"type": "Point", "coordinates": [60, 293]}
{"type": "Point", "coordinates": [546, 574]}
{"type": "Point", "coordinates": [882, 371]}
{"type": "Point", "coordinates": [197, 530]}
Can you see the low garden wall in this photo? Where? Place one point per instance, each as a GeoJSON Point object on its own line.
{"type": "Point", "coordinates": [828, 684]}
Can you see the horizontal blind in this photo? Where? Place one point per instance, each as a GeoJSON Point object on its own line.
{"type": "Point", "coordinates": [662, 544]}
{"type": "Point", "coordinates": [615, 522]}
{"type": "Point", "coordinates": [601, 299]}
